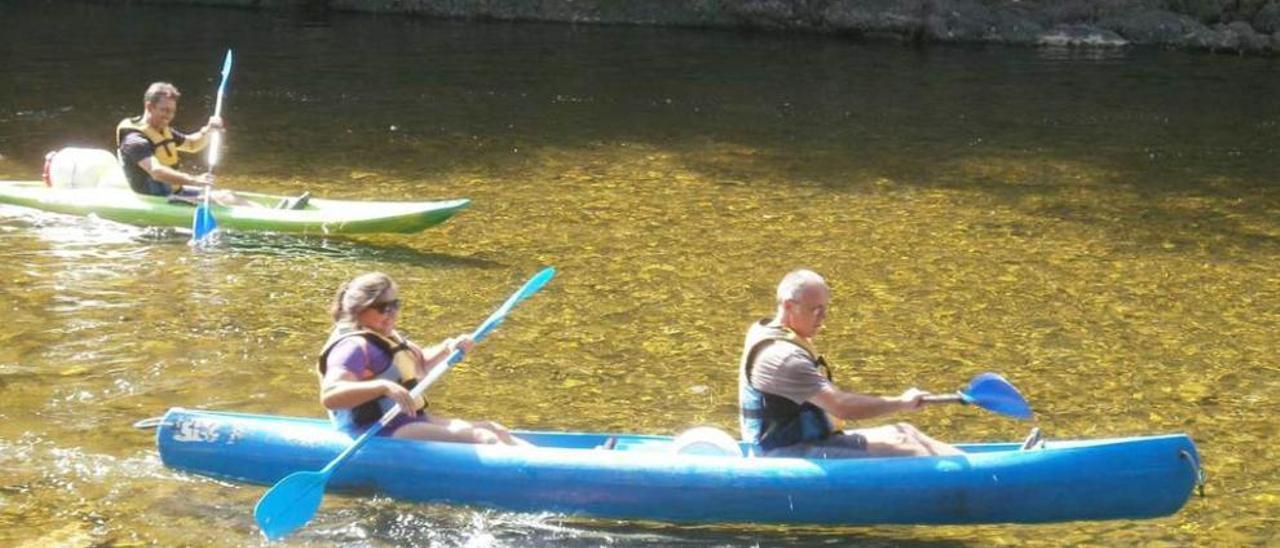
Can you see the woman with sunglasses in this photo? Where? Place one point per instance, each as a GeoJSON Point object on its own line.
{"type": "Point", "coordinates": [366, 368]}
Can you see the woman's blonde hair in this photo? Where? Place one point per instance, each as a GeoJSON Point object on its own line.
{"type": "Point", "coordinates": [356, 295]}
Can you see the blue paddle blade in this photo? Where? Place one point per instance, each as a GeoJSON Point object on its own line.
{"type": "Point", "coordinates": [992, 392]}
{"type": "Point", "coordinates": [290, 504]}
{"type": "Point", "coordinates": [202, 224]}
{"type": "Point", "coordinates": [530, 287]}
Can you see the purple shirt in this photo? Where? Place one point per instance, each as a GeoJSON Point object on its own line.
{"type": "Point", "coordinates": [364, 361]}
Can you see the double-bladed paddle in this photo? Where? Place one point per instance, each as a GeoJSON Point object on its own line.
{"type": "Point", "coordinates": [202, 224]}
{"type": "Point", "coordinates": [293, 500]}
{"type": "Point", "coordinates": [991, 392]}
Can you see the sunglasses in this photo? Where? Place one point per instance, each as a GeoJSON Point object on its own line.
{"type": "Point", "coordinates": [387, 307]}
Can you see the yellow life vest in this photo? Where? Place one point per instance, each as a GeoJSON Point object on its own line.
{"type": "Point", "coordinates": [167, 145]}
{"type": "Point", "coordinates": [402, 370]}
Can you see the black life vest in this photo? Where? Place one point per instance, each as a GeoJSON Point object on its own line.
{"type": "Point", "coordinates": [768, 420]}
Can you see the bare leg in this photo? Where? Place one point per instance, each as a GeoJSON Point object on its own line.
{"type": "Point", "coordinates": [230, 199]}
{"type": "Point", "coordinates": [460, 431]}
{"type": "Point", "coordinates": [434, 432]}
{"type": "Point", "coordinates": [934, 447]}
{"type": "Point", "coordinates": [902, 439]}
{"type": "Point", "coordinates": [502, 432]}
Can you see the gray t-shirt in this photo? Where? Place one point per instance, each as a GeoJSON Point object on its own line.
{"type": "Point", "coordinates": [784, 369]}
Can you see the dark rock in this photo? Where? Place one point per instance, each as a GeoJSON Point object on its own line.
{"type": "Point", "coordinates": [1235, 37]}
{"type": "Point", "coordinates": [1242, 10]}
{"type": "Point", "coordinates": [900, 17]}
{"type": "Point", "coordinates": [771, 13]}
{"type": "Point", "coordinates": [1268, 18]}
{"type": "Point", "coordinates": [1062, 12]}
{"type": "Point", "coordinates": [970, 21]}
{"type": "Point", "coordinates": [1205, 11]}
{"type": "Point", "coordinates": [1154, 27]}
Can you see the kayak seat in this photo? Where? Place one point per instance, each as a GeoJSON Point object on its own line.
{"type": "Point", "coordinates": [1033, 441]}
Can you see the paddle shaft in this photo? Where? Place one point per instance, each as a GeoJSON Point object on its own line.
{"type": "Point", "coordinates": [955, 397]}
{"type": "Point", "coordinates": [215, 140]}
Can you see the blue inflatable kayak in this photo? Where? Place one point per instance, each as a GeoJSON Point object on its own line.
{"type": "Point", "coordinates": [641, 477]}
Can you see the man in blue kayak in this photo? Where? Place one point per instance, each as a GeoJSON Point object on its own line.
{"type": "Point", "coordinates": [787, 398]}
{"type": "Point", "coordinates": [148, 149]}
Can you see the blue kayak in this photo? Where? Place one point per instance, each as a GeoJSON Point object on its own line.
{"type": "Point", "coordinates": [642, 477]}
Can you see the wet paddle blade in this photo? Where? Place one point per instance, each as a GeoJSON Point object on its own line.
{"type": "Point", "coordinates": [202, 224]}
{"type": "Point", "coordinates": [992, 392]}
{"type": "Point", "coordinates": [290, 504]}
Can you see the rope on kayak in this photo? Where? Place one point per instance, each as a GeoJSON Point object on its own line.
{"type": "Point", "coordinates": [149, 424]}
{"type": "Point", "coordinates": [1195, 468]}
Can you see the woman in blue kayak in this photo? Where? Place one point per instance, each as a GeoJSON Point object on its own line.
{"type": "Point", "coordinates": [366, 368]}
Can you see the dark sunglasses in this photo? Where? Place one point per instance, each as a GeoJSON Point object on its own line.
{"type": "Point", "coordinates": [387, 307]}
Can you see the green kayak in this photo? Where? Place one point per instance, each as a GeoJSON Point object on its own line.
{"type": "Point", "coordinates": [319, 217]}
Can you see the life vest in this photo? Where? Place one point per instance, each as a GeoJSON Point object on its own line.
{"type": "Point", "coordinates": [166, 143]}
{"type": "Point", "coordinates": [401, 370]}
{"type": "Point", "coordinates": [768, 420]}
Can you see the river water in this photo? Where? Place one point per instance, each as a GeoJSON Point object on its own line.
{"type": "Point", "coordinates": [1102, 227]}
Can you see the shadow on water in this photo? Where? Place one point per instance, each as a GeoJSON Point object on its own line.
{"type": "Point", "coordinates": [303, 247]}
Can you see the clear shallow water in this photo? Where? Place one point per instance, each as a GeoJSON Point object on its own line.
{"type": "Point", "coordinates": [1100, 228]}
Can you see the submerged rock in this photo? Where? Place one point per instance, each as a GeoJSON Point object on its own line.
{"type": "Point", "coordinates": [1082, 36]}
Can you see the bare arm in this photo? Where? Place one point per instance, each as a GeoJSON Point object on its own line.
{"type": "Point", "coordinates": [197, 141]}
{"type": "Point", "coordinates": [166, 174]}
{"type": "Point", "coordinates": [851, 406]}
{"type": "Point", "coordinates": [343, 391]}
{"type": "Point", "coordinates": [434, 355]}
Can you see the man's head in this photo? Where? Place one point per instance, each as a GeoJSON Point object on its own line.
{"type": "Point", "coordinates": [802, 302]}
{"type": "Point", "coordinates": [161, 104]}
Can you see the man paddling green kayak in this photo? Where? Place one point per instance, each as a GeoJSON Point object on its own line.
{"type": "Point", "coordinates": [148, 148]}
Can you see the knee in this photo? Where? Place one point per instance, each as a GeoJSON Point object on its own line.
{"type": "Point", "coordinates": [490, 425]}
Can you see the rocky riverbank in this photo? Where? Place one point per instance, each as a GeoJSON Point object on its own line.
{"type": "Point", "coordinates": [1220, 26]}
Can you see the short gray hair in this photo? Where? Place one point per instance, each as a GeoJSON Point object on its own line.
{"type": "Point", "coordinates": [795, 282]}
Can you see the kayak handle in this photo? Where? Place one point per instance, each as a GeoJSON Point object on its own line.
{"type": "Point", "coordinates": [149, 424]}
{"type": "Point", "coordinates": [1195, 468]}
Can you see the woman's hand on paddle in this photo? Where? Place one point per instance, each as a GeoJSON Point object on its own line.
{"type": "Point", "coordinates": [461, 342]}
{"type": "Point", "coordinates": [398, 394]}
